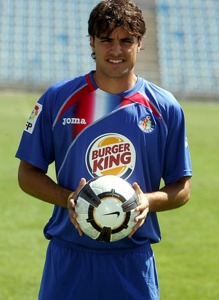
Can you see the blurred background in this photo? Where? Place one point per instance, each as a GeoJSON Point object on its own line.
{"type": "Point", "coordinates": [43, 41]}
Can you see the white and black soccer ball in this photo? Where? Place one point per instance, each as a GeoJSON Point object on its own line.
{"type": "Point", "coordinates": [106, 208]}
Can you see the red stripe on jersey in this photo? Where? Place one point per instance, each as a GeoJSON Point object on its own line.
{"type": "Point", "coordinates": [85, 111]}
{"type": "Point", "coordinates": [138, 97]}
{"type": "Point", "coordinates": [78, 95]}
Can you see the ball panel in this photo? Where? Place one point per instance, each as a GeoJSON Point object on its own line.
{"type": "Point", "coordinates": [109, 213]}
{"type": "Point", "coordinates": [105, 235]}
{"type": "Point", "coordinates": [90, 195]}
{"type": "Point", "coordinates": [105, 208]}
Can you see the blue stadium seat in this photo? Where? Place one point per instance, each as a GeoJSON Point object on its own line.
{"type": "Point", "coordinates": [43, 41]}
{"type": "Point", "coordinates": [188, 32]}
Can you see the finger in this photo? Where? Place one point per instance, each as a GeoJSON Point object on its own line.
{"type": "Point", "coordinates": [72, 213]}
{"type": "Point", "coordinates": [73, 195]}
{"type": "Point", "coordinates": [137, 188]}
{"type": "Point", "coordinates": [135, 228]}
{"type": "Point", "coordinates": [142, 215]}
{"type": "Point", "coordinates": [139, 192]}
{"type": "Point", "coordinates": [73, 216]}
{"type": "Point", "coordinates": [78, 228]}
{"type": "Point", "coordinates": [72, 204]}
{"type": "Point", "coordinates": [81, 184]}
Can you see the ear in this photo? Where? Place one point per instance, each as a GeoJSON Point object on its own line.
{"type": "Point", "coordinates": [92, 43]}
{"type": "Point", "coordinates": [139, 44]}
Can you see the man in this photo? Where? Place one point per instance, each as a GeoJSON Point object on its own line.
{"type": "Point", "coordinates": [74, 119]}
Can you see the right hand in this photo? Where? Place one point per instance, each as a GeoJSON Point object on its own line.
{"type": "Point", "coordinates": [71, 206]}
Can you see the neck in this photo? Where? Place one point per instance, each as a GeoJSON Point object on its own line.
{"type": "Point", "coordinates": [114, 85]}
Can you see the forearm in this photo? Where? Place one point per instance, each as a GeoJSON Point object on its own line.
{"type": "Point", "coordinates": [170, 196]}
{"type": "Point", "coordinates": [36, 183]}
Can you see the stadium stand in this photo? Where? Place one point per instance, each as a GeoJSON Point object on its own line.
{"type": "Point", "coordinates": [43, 41]}
{"type": "Point", "coordinates": [189, 46]}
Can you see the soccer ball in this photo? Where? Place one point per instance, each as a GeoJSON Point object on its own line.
{"type": "Point", "coordinates": [106, 208]}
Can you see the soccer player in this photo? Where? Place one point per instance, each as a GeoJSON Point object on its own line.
{"type": "Point", "coordinates": [109, 121]}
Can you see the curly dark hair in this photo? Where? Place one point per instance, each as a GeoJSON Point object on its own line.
{"type": "Point", "coordinates": [110, 14]}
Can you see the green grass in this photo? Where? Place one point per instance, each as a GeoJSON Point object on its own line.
{"type": "Point", "coordinates": [22, 246]}
{"type": "Point", "coordinates": [187, 257]}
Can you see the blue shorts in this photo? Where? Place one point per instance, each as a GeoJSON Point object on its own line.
{"type": "Point", "coordinates": [73, 273]}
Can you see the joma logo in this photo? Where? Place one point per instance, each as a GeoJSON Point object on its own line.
{"type": "Point", "coordinates": [67, 121]}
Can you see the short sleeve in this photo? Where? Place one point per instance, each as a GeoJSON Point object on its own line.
{"type": "Point", "coordinates": [36, 145]}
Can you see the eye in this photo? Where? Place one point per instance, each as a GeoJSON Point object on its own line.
{"type": "Point", "coordinates": [105, 40]}
{"type": "Point", "coordinates": [127, 40]}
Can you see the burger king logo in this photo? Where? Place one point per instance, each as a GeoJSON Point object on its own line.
{"type": "Point", "coordinates": [111, 154]}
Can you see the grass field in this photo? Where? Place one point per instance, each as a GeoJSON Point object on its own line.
{"type": "Point", "coordinates": [188, 256]}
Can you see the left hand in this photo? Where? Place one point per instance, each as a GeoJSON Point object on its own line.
{"type": "Point", "coordinates": [71, 206]}
{"type": "Point", "coordinates": [142, 208]}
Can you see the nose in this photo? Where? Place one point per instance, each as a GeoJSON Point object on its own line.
{"type": "Point", "coordinates": [116, 48]}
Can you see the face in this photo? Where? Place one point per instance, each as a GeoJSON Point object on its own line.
{"type": "Point", "coordinates": [115, 54]}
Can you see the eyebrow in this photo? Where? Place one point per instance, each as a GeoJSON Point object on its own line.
{"type": "Point", "coordinates": [130, 37]}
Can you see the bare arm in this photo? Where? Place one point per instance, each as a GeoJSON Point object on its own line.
{"type": "Point", "coordinates": [169, 197]}
{"type": "Point", "coordinates": [35, 182]}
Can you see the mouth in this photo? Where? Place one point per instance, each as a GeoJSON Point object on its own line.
{"type": "Point", "coordinates": [115, 61]}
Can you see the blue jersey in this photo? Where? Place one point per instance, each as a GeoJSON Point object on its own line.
{"type": "Point", "coordinates": [138, 135]}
